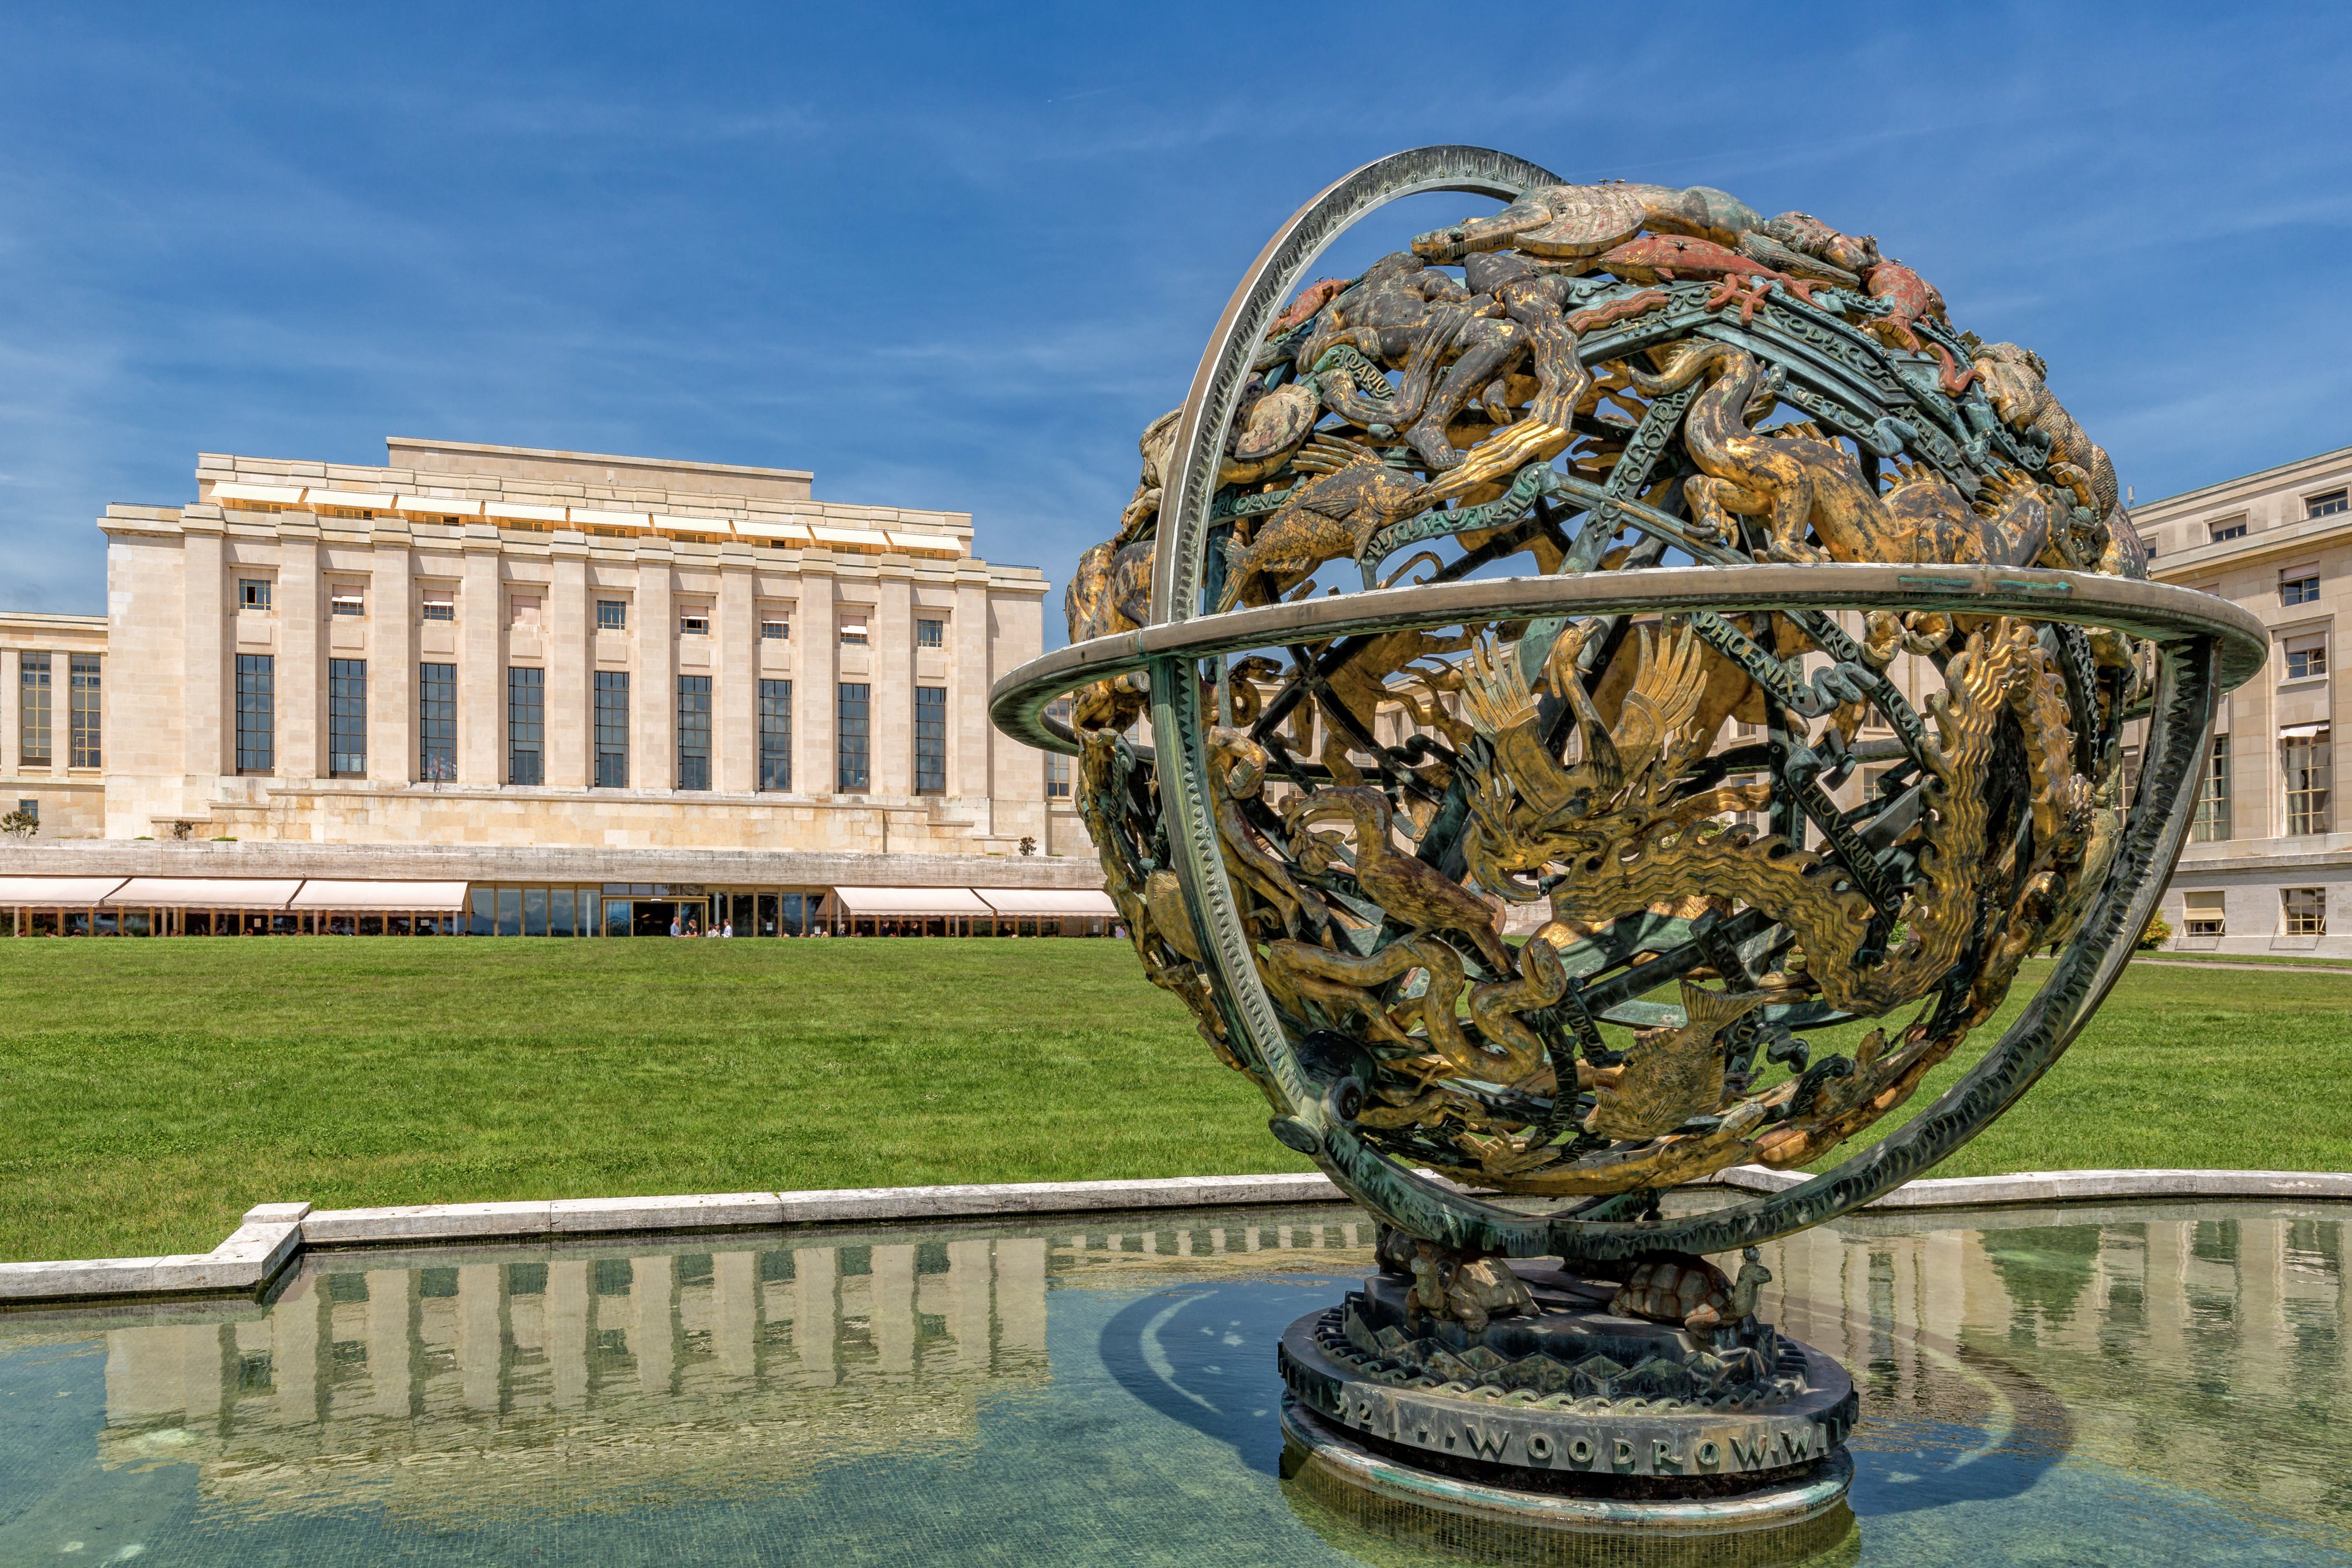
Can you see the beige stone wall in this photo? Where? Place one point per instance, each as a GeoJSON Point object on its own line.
{"type": "Point", "coordinates": [70, 801]}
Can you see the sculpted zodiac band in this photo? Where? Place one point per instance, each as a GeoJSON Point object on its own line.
{"type": "Point", "coordinates": [1682, 589]}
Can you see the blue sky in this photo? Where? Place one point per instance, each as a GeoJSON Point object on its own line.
{"type": "Point", "coordinates": [958, 257]}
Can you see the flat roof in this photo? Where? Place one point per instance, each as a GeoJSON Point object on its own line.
{"type": "Point", "coordinates": [413, 444]}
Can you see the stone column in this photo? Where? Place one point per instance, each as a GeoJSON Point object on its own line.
{"type": "Point", "coordinates": [817, 661]}
{"type": "Point", "coordinates": [12, 692]}
{"type": "Point", "coordinates": [564, 1309]}
{"type": "Point", "coordinates": [566, 635]}
{"type": "Point", "coordinates": [735, 1313]}
{"type": "Point", "coordinates": [816, 1320]}
{"type": "Point", "coordinates": [735, 691]}
{"type": "Point", "coordinates": [298, 1350]}
{"type": "Point", "coordinates": [301, 686]}
{"type": "Point", "coordinates": [892, 633]}
{"type": "Point", "coordinates": [391, 1343]}
{"type": "Point", "coordinates": [894, 1308]}
{"type": "Point", "coordinates": [1016, 772]}
{"type": "Point", "coordinates": [968, 682]}
{"type": "Point", "coordinates": [653, 1337]}
{"type": "Point", "coordinates": [653, 690]}
{"type": "Point", "coordinates": [209, 677]}
{"type": "Point", "coordinates": [1020, 1306]}
{"type": "Point", "coordinates": [392, 658]}
{"type": "Point", "coordinates": [481, 678]}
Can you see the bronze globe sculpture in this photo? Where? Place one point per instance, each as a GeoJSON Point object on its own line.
{"type": "Point", "coordinates": [1795, 727]}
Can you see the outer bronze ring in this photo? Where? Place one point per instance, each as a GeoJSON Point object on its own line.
{"type": "Point", "coordinates": [2205, 646]}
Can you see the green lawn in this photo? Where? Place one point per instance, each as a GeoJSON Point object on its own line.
{"type": "Point", "coordinates": [154, 1090]}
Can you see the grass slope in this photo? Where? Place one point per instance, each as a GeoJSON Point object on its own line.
{"type": "Point", "coordinates": [152, 1091]}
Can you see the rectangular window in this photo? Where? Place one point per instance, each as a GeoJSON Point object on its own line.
{"type": "Point", "coordinates": [852, 713]}
{"type": "Point", "coordinates": [526, 724]}
{"type": "Point", "coordinates": [2305, 910]}
{"type": "Point", "coordinates": [2325, 506]}
{"type": "Point", "coordinates": [256, 713]}
{"type": "Point", "coordinates": [1057, 766]}
{"type": "Point", "coordinates": [32, 810]}
{"type": "Point", "coordinates": [612, 729]}
{"type": "Point", "coordinates": [440, 604]}
{"type": "Point", "coordinates": [612, 615]}
{"type": "Point", "coordinates": [2131, 773]}
{"type": "Point", "coordinates": [2304, 759]}
{"type": "Point", "coordinates": [930, 633]}
{"type": "Point", "coordinates": [253, 593]}
{"type": "Point", "coordinates": [2202, 915]}
{"type": "Point", "coordinates": [347, 718]}
{"type": "Point", "coordinates": [2213, 822]}
{"type": "Point", "coordinates": [694, 732]}
{"type": "Point", "coordinates": [525, 608]}
{"type": "Point", "coordinates": [33, 731]}
{"type": "Point", "coordinates": [694, 621]}
{"type": "Point", "coordinates": [853, 630]}
{"type": "Point", "coordinates": [436, 721]}
{"type": "Point", "coordinates": [776, 631]}
{"type": "Point", "coordinates": [2299, 585]}
{"type": "Point", "coordinates": [347, 599]}
{"type": "Point", "coordinates": [930, 740]}
{"type": "Point", "coordinates": [82, 716]}
{"type": "Point", "coordinates": [2307, 657]}
{"type": "Point", "coordinates": [2235, 528]}
{"type": "Point", "coordinates": [775, 734]}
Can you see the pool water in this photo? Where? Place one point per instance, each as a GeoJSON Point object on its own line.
{"type": "Point", "coordinates": [2153, 1384]}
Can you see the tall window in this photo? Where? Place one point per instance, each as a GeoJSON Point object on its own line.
{"type": "Point", "coordinates": [852, 716]}
{"type": "Point", "coordinates": [436, 721]}
{"type": "Point", "coordinates": [347, 718]}
{"type": "Point", "coordinates": [82, 719]}
{"type": "Point", "coordinates": [2305, 910]}
{"type": "Point", "coordinates": [775, 734]}
{"type": "Point", "coordinates": [2212, 823]}
{"type": "Point", "coordinates": [930, 633]}
{"type": "Point", "coordinates": [34, 731]}
{"type": "Point", "coordinates": [612, 729]}
{"type": "Point", "coordinates": [2304, 762]}
{"type": "Point", "coordinates": [694, 732]}
{"type": "Point", "coordinates": [257, 712]}
{"type": "Point", "coordinates": [526, 724]}
{"type": "Point", "coordinates": [1057, 766]}
{"type": "Point", "coordinates": [930, 740]}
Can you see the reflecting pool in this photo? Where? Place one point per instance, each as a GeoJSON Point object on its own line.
{"type": "Point", "coordinates": [2144, 1385]}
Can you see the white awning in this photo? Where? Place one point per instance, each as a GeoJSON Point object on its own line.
{"type": "Point", "coordinates": [61, 890]}
{"type": "Point", "coordinates": [679, 525]}
{"type": "Point", "coordinates": [524, 514]}
{"type": "Point", "coordinates": [924, 543]}
{"type": "Point", "coordinates": [588, 517]}
{"type": "Point", "coordinates": [1049, 902]}
{"type": "Point", "coordinates": [438, 507]}
{"type": "Point", "coordinates": [205, 891]}
{"type": "Point", "coordinates": [2300, 731]}
{"type": "Point", "coordinates": [357, 500]}
{"type": "Point", "coordinates": [791, 533]}
{"type": "Point", "coordinates": [866, 901]}
{"type": "Point", "coordinates": [396, 895]}
{"type": "Point", "coordinates": [267, 494]}
{"type": "Point", "coordinates": [852, 538]}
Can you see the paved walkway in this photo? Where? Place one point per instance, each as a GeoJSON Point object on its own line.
{"type": "Point", "coordinates": [2260, 969]}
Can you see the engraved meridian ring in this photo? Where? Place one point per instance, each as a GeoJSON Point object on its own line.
{"type": "Point", "coordinates": [2196, 648]}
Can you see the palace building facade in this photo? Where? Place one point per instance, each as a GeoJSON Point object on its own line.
{"type": "Point", "coordinates": [501, 648]}
{"type": "Point", "coordinates": [2269, 867]}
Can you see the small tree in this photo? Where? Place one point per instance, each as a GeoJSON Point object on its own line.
{"type": "Point", "coordinates": [20, 825]}
{"type": "Point", "coordinates": [1028, 845]}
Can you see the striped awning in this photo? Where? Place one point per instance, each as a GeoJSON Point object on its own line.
{"type": "Point", "coordinates": [1048, 903]}
{"type": "Point", "coordinates": [861, 902]}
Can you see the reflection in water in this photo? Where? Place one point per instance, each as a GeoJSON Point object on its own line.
{"type": "Point", "coordinates": [2144, 1384]}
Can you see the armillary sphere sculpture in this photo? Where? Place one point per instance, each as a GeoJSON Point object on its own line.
{"type": "Point", "coordinates": [1795, 727]}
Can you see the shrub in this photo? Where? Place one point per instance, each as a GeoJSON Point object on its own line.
{"type": "Point", "coordinates": [2156, 935]}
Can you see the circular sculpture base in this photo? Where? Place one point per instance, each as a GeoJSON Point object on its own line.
{"type": "Point", "coordinates": [1394, 1514]}
{"type": "Point", "coordinates": [1568, 1417]}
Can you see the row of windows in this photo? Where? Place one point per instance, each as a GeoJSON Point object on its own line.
{"type": "Point", "coordinates": [527, 727]}
{"type": "Point", "coordinates": [612, 614]}
{"type": "Point", "coordinates": [37, 745]}
{"type": "Point", "coordinates": [2303, 912]}
{"type": "Point", "coordinates": [2327, 504]}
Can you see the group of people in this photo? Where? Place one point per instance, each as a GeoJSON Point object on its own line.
{"type": "Point", "coordinates": [689, 926]}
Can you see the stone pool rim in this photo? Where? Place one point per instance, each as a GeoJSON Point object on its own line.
{"type": "Point", "coordinates": [274, 1234]}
